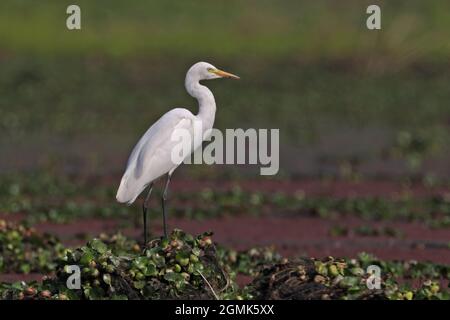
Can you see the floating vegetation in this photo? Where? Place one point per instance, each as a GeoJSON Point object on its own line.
{"type": "Point", "coordinates": [45, 198]}
{"type": "Point", "coordinates": [24, 250]}
{"type": "Point", "coordinates": [330, 278]}
{"type": "Point", "coordinates": [183, 266]}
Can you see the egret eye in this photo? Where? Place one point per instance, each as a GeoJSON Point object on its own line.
{"type": "Point", "coordinates": [210, 69]}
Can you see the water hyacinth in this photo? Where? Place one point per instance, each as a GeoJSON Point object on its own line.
{"type": "Point", "coordinates": [31, 195]}
{"type": "Point", "coordinates": [346, 279]}
{"type": "Point", "coordinates": [181, 266]}
{"type": "Point", "coordinates": [191, 267]}
{"type": "Point", "coordinates": [24, 250]}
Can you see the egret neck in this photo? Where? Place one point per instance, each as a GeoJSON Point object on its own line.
{"type": "Point", "coordinates": [206, 101]}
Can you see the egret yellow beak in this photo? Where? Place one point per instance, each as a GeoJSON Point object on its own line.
{"type": "Point", "coordinates": [224, 74]}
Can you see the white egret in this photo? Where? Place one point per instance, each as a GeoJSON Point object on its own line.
{"type": "Point", "coordinates": [151, 158]}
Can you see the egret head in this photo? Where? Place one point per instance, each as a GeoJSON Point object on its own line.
{"type": "Point", "coordinates": [206, 71]}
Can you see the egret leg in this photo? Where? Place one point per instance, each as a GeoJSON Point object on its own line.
{"type": "Point", "coordinates": [144, 212]}
{"type": "Point", "coordinates": [163, 202]}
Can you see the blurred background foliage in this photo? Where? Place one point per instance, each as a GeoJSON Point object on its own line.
{"type": "Point", "coordinates": [348, 101]}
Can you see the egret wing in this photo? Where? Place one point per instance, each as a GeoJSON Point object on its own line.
{"type": "Point", "coordinates": [155, 155]}
{"type": "Point", "coordinates": [151, 157]}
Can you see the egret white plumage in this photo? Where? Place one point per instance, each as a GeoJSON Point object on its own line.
{"type": "Point", "coordinates": [151, 158]}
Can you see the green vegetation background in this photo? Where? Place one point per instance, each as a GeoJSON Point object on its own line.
{"type": "Point", "coordinates": [310, 68]}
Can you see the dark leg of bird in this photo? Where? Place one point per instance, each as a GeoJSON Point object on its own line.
{"type": "Point", "coordinates": [163, 202]}
{"type": "Point", "coordinates": [144, 212]}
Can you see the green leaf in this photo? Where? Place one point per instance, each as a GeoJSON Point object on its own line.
{"type": "Point", "coordinates": [196, 251]}
{"type": "Point", "coordinates": [99, 246]}
{"type": "Point", "coordinates": [25, 268]}
{"type": "Point", "coordinates": [151, 270]}
{"type": "Point", "coordinates": [348, 282]}
{"type": "Point", "coordinates": [87, 257]}
{"type": "Point", "coordinates": [173, 277]}
{"type": "Point", "coordinates": [183, 258]}
{"type": "Point", "coordinates": [17, 285]}
{"type": "Point", "coordinates": [71, 294]}
{"type": "Point", "coordinates": [160, 261]}
{"type": "Point", "coordinates": [139, 284]}
{"type": "Point", "coordinates": [198, 267]}
{"type": "Point", "coordinates": [140, 263]}
{"type": "Point", "coordinates": [94, 293]}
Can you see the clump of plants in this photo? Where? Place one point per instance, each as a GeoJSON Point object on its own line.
{"type": "Point", "coordinates": [247, 262]}
{"type": "Point", "coordinates": [24, 250]}
{"type": "Point", "coordinates": [178, 267]}
{"type": "Point", "coordinates": [330, 278]}
{"type": "Point", "coordinates": [120, 244]}
{"type": "Point", "coordinates": [365, 231]}
{"type": "Point", "coordinates": [183, 266]}
{"type": "Point", "coordinates": [415, 146]}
